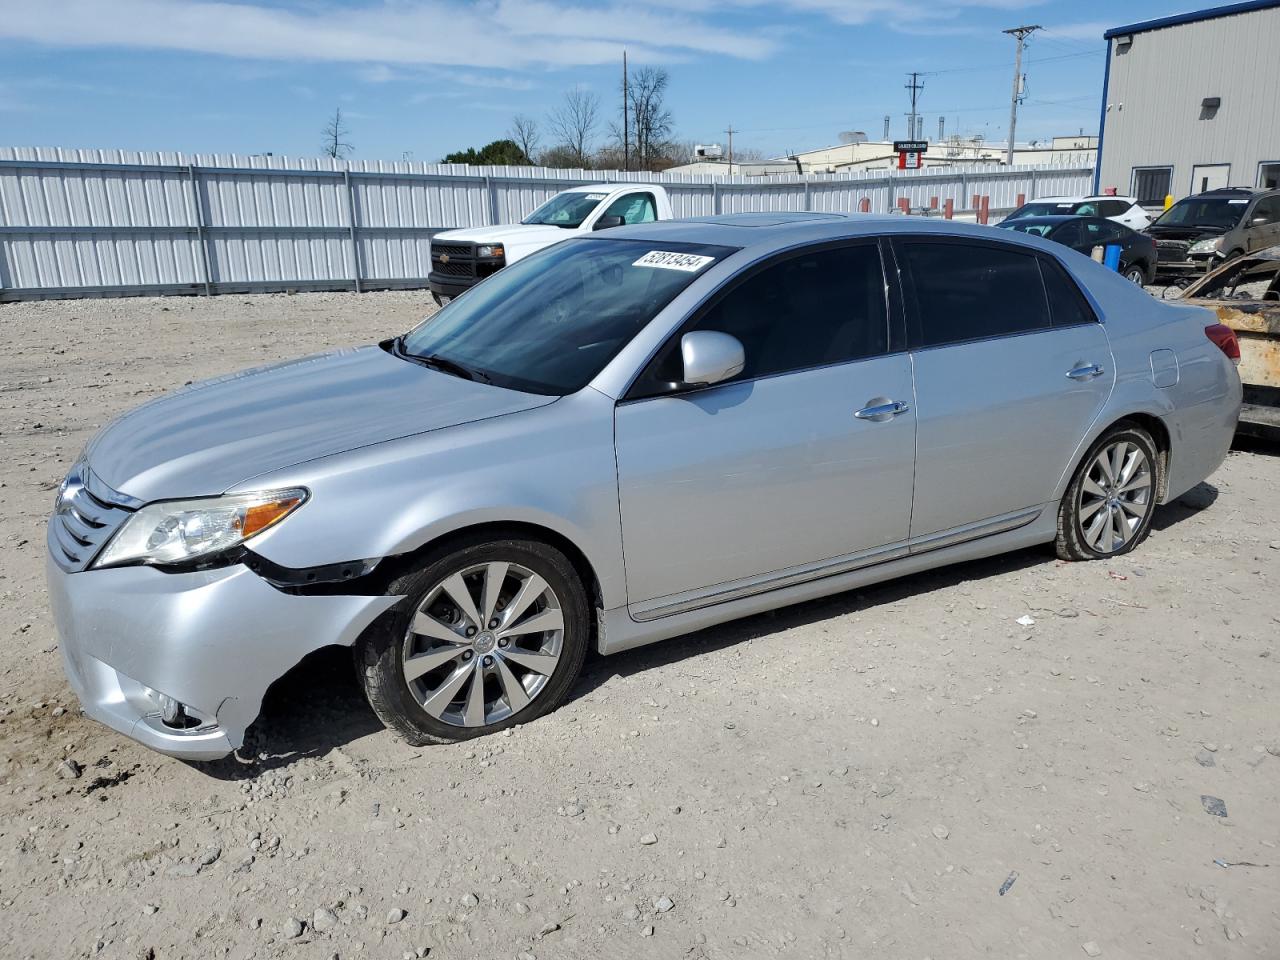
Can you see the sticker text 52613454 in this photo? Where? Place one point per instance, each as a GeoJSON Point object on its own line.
{"type": "Point", "coordinates": [668, 260]}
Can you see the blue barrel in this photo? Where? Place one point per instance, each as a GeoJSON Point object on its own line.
{"type": "Point", "coordinates": [1111, 259]}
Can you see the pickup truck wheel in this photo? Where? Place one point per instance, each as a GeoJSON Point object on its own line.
{"type": "Point", "coordinates": [1110, 501]}
{"type": "Point", "coordinates": [492, 633]}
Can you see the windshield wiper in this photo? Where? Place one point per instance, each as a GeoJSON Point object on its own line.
{"type": "Point", "coordinates": [445, 365]}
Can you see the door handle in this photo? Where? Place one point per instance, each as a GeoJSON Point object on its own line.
{"type": "Point", "coordinates": [880, 410]}
{"type": "Point", "coordinates": [1086, 372]}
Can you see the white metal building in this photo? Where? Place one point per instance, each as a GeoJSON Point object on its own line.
{"type": "Point", "coordinates": [1192, 103]}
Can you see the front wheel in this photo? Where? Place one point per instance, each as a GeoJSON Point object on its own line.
{"type": "Point", "coordinates": [1109, 504]}
{"type": "Point", "coordinates": [492, 633]}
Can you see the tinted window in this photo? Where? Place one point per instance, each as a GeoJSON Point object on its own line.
{"type": "Point", "coordinates": [1068, 234]}
{"type": "Point", "coordinates": [1113, 208]}
{"type": "Point", "coordinates": [1268, 209]}
{"type": "Point", "coordinates": [969, 291]}
{"type": "Point", "coordinates": [1066, 302]}
{"type": "Point", "coordinates": [633, 208]}
{"type": "Point", "coordinates": [1103, 231]}
{"type": "Point", "coordinates": [809, 310]}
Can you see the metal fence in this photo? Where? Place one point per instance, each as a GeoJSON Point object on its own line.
{"type": "Point", "coordinates": [110, 223]}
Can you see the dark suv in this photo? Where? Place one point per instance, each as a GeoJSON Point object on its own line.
{"type": "Point", "coordinates": [1200, 232]}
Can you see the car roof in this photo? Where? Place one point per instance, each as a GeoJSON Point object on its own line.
{"type": "Point", "coordinates": [1051, 219]}
{"type": "Point", "coordinates": [607, 187]}
{"type": "Point", "coordinates": [762, 232]}
{"type": "Point", "coordinates": [1092, 196]}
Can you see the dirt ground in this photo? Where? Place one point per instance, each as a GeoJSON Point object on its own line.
{"type": "Point", "coordinates": [903, 772]}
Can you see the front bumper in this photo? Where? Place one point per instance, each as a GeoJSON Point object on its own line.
{"type": "Point", "coordinates": [214, 640]}
{"type": "Point", "coordinates": [450, 286]}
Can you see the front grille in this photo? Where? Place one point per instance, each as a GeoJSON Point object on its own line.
{"type": "Point", "coordinates": [453, 259]}
{"type": "Point", "coordinates": [87, 514]}
{"type": "Point", "coordinates": [1172, 250]}
{"type": "Point", "coordinates": [454, 268]}
{"type": "Point", "coordinates": [452, 249]}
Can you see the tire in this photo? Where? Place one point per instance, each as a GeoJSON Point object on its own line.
{"type": "Point", "coordinates": [437, 298]}
{"type": "Point", "coordinates": [438, 704]}
{"type": "Point", "coordinates": [1135, 274]}
{"type": "Point", "coordinates": [1098, 519]}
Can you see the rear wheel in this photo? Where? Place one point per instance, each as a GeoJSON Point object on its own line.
{"type": "Point", "coordinates": [1109, 504]}
{"type": "Point", "coordinates": [492, 633]}
{"type": "Point", "coordinates": [1135, 274]}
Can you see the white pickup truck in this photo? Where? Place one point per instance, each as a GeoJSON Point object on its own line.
{"type": "Point", "coordinates": [462, 258]}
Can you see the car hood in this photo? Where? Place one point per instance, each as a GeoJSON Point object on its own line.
{"type": "Point", "coordinates": [1182, 233]}
{"type": "Point", "coordinates": [507, 233]}
{"type": "Point", "coordinates": [205, 438]}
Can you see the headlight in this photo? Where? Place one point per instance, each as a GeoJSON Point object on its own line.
{"type": "Point", "coordinates": [490, 250]}
{"type": "Point", "coordinates": [1206, 246]}
{"type": "Point", "coordinates": [182, 530]}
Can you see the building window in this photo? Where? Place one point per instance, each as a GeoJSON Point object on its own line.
{"type": "Point", "coordinates": [1269, 175]}
{"type": "Point", "coordinates": [1151, 185]}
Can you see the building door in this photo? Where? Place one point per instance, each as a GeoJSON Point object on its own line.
{"type": "Point", "coordinates": [1210, 176]}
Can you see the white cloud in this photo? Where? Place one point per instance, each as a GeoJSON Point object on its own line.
{"type": "Point", "coordinates": [490, 33]}
{"type": "Point", "coordinates": [505, 34]}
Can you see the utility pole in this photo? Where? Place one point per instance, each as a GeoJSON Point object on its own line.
{"type": "Point", "coordinates": [1021, 33]}
{"type": "Point", "coordinates": [626, 110]}
{"type": "Point", "coordinates": [730, 133]}
{"type": "Point", "coordinates": [915, 86]}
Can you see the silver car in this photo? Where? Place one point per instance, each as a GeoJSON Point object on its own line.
{"type": "Point", "coordinates": [622, 438]}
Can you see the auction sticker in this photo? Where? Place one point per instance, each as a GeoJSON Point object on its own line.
{"type": "Point", "coordinates": [667, 260]}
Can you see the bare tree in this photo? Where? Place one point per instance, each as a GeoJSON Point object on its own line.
{"type": "Point", "coordinates": [650, 119]}
{"type": "Point", "coordinates": [574, 123]}
{"type": "Point", "coordinates": [524, 132]}
{"type": "Point", "coordinates": [335, 131]}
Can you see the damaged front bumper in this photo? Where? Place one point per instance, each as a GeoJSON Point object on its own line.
{"type": "Point", "coordinates": [212, 640]}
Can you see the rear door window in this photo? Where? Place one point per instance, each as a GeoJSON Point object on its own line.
{"type": "Point", "coordinates": [961, 291]}
{"type": "Point", "coordinates": [1067, 304]}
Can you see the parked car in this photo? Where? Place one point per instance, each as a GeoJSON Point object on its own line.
{"type": "Point", "coordinates": [627, 436]}
{"type": "Point", "coordinates": [462, 258]}
{"type": "Point", "coordinates": [1124, 210]}
{"type": "Point", "coordinates": [1245, 295]}
{"type": "Point", "coordinates": [1137, 251]}
{"type": "Point", "coordinates": [1198, 233]}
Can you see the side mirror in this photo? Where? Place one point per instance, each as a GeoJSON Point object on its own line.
{"type": "Point", "coordinates": [711, 357]}
{"type": "Point", "coordinates": [1260, 221]}
{"type": "Point", "coordinates": [604, 223]}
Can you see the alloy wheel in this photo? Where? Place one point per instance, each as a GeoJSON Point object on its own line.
{"type": "Point", "coordinates": [1115, 497]}
{"type": "Point", "coordinates": [1135, 276]}
{"type": "Point", "coordinates": [483, 644]}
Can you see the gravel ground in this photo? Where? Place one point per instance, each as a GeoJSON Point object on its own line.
{"type": "Point", "coordinates": [914, 770]}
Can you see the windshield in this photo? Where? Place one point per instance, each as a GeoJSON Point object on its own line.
{"type": "Point", "coordinates": [1050, 208]}
{"type": "Point", "coordinates": [566, 210]}
{"type": "Point", "coordinates": [1220, 213]}
{"type": "Point", "coordinates": [550, 322]}
{"type": "Point", "coordinates": [1035, 229]}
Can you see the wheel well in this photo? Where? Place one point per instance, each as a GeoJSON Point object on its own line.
{"type": "Point", "coordinates": [1160, 434]}
{"type": "Point", "coordinates": [517, 530]}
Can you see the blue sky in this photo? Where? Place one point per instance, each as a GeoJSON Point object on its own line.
{"type": "Point", "coordinates": [419, 78]}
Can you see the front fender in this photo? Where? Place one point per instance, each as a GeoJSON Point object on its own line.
{"type": "Point", "coordinates": [552, 467]}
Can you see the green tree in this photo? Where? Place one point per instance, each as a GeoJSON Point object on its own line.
{"type": "Point", "coordinates": [500, 152]}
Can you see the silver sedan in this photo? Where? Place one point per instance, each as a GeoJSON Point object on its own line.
{"type": "Point", "coordinates": [620, 439]}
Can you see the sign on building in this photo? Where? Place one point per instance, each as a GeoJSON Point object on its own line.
{"type": "Point", "coordinates": [910, 153]}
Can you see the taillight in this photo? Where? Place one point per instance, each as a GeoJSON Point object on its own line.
{"type": "Point", "coordinates": [1226, 340]}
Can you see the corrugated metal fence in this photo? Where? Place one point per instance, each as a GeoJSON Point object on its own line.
{"type": "Point", "coordinates": [108, 222]}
